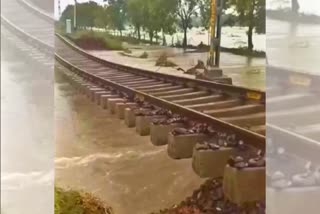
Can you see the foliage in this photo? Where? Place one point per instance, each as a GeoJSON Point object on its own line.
{"type": "Point", "coordinates": [95, 40]}
{"type": "Point", "coordinates": [166, 14]}
{"type": "Point", "coordinates": [86, 14]}
{"type": "Point", "coordinates": [102, 18]}
{"type": "Point", "coordinates": [154, 16]}
{"type": "Point", "coordinates": [74, 202]}
{"type": "Point", "coordinates": [186, 10]}
{"type": "Point", "coordinates": [136, 15]}
{"type": "Point", "coordinates": [151, 24]}
{"type": "Point", "coordinates": [226, 19]}
{"type": "Point", "coordinates": [251, 13]}
{"type": "Point", "coordinates": [205, 11]}
{"type": "Point", "coordinates": [117, 10]}
{"type": "Point", "coordinates": [248, 13]}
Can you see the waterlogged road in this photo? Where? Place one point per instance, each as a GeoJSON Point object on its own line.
{"type": "Point", "coordinates": [96, 152]}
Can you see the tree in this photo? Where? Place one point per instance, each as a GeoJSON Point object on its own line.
{"type": "Point", "coordinates": [117, 10]}
{"type": "Point", "coordinates": [102, 19]}
{"type": "Point", "coordinates": [295, 6]}
{"type": "Point", "coordinates": [86, 13]}
{"type": "Point", "coordinates": [186, 10]}
{"type": "Point", "coordinates": [136, 14]}
{"type": "Point", "coordinates": [166, 16]}
{"type": "Point", "coordinates": [159, 15]}
{"type": "Point", "coordinates": [205, 11]}
{"type": "Point", "coordinates": [251, 13]}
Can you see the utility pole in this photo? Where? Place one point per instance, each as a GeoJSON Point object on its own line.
{"type": "Point", "coordinates": [75, 15]}
{"type": "Point", "coordinates": [59, 8]}
{"type": "Point", "coordinates": [295, 6]}
{"type": "Point", "coordinates": [211, 60]}
{"type": "Point", "coordinates": [215, 39]}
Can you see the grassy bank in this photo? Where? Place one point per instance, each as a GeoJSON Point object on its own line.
{"type": "Point", "coordinates": [242, 51]}
{"type": "Point", "coordinates": [74, 202]}
{"type": "Point", "coordinates": [92, 40]}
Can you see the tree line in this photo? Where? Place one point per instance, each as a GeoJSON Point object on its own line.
{"type": "Point", "coordinates": [166, 16]}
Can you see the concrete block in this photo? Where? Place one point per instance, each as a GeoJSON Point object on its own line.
{"type": "Point", "coordinates": [214, 72]}
{"type": "Point", "coordinates": [94, 91]}
{"type": "Point", "coordinates": [211, 163]}
{"type": "Point", "coordinates": [98, 94]}
{"type": "Point", "coordinates": [129, 117]}
{"type": "Point", "coordinates": [89, 90]}
{"type": "Point", "coordinates": [181, 146]}
{"type": "Point", "coordinates": [77, 83]}
{"type": "Point", "coordinates": [83, 87]}
{"type": "Point", "coordinates": [104, 99]}
{"type": "Point", "coordinates": [143, 124]}
{"type": "Point", "coordinates": [120, 108]}
{"type": "Point", "coordinates": [247, 185]}
{"type": "Point", "coordinates": [293, 200]}
{"type": "Point", "coordinates": [159, 133]}
{"type": "Point", "coordinates": [112, 104]}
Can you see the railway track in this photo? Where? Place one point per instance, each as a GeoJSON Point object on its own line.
{"type": "Point", "coordinates": [30, 29]}
{"type": "Point", "coordinates": [226, 107]}
{"type": "Point", "coordinates": [292, 99]}
{"type": "Point", "coordinates": [293, 144]}
{"type": "Point", "coordinates": [237, 114]}
{"type": "Point", "coordinates": [293, 106]}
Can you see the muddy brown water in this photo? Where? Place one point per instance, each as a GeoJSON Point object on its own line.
{"type": "Point", "coordinates": [96, 152]}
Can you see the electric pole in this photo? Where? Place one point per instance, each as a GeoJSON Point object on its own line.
{"type": "Point", "coordinates": [213, 62]}
{"type": "Point", "coordinates": [215, 33]}
{"type": "Point", "coordinates": [75, 15]}
{"type": "Point", "coordinates": [295, 6]}
{"type": "Point", "coordinates": [59, 8]}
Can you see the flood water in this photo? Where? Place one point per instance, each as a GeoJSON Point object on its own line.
{"type": "Point", "coordinates": [96, 152]}
{"type": "Point", "coordinates": [293, 49]}
{"type": "Point", "coordinates": [26, 135]}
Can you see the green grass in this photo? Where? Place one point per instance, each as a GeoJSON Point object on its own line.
{"type": "Point", "coordinates": [75, 202]}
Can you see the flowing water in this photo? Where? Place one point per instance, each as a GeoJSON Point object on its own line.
{"type": "Point", "coordinates": [293, 48]}
{"type": "Point", "coordinates": [26, 135]}
{"type": "Point", "coordinates": [96, 152]}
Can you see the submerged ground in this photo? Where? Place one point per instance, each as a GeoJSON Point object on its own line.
{"type": "Point", "coordinates": [96, 152]}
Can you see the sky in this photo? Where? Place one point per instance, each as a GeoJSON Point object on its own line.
{"type": "Point", "coordinates": [65, 3]}
{"type": "Point", "coordinates": [306, 6]}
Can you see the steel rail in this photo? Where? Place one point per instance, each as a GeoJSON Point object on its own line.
{"type": "Point", "coordinates": [247, 136]}
{"type": "Point", "coordinates": [37, 11]}
{"type": "Point", "coordinates": [291, 81]}
{"type": "Point", "coordinates": [294, 143]}
{"type": "Point", "coordinates": [232, 89]}
{"type": "Point", "coordinates": [33, 41]}
{"type": "Point", "coordinates": [30, 39]}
